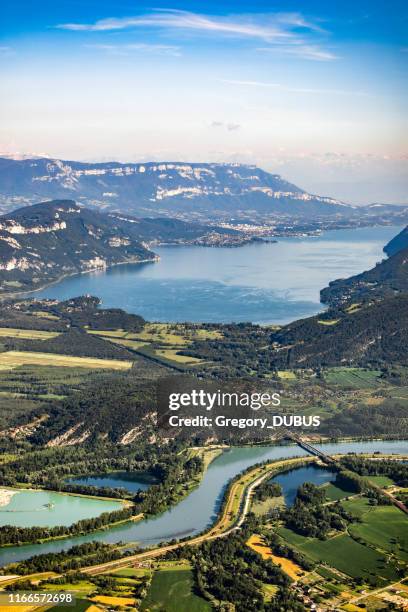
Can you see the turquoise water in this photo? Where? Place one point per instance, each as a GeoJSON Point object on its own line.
{"type": "Point", "coordinates": [131, 481]}
{"type": "Point", "coordinates": [29, 508]}
{"type": "Point", "coordinates": [260, 282]}
{"type": "Point", "coordinates": [199, 509]}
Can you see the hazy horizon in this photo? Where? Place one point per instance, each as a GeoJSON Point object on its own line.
{"type": "Point", "coordinates": [313, 91]}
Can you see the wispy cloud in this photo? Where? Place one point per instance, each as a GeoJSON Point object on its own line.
{"type": "Point", "coordinates": [172, 18]}
{"type": "Point", "coordinates": [290, 31]}
{"type": "Point", "coordinates": [128, 49]}
{"type": "Point", "coordinates": [299, 49]}
{"type": "Point", "coordinates": [303, 90]}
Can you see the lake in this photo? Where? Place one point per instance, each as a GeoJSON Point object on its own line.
{"type": "Point", "coordinates": [260, 282]}
{"type": "Point", "coordinates": [131, 481]}
{"type": "Point", "coordinates": [291, 481]}
{"type": "Point", "coordinates": [28, 508]}
{"type": "Point", "coordinates": [199, 509]}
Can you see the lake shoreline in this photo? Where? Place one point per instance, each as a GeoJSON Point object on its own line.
{"type": "Point", "coordinates": [266, 284]}
{"type": "Point", "coordinates": [4, 296]}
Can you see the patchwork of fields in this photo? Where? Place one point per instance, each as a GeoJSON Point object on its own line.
{"type": "Point", "coordinates": [374, 547]}
{"type": "Point", "coordinates": [161, 341]}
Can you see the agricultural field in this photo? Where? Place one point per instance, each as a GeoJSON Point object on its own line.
{"type": "Point", "coordinates": [114, 601]}
{"type": "Point", "coordinates": [162, 341]}
{"type": "Point", "coordinates": [132, 344]}
{"type": "Point", "coordinates": [384, 527]}
{"type": "Point", "coordinates": [172, 591]}
{"type": "Point", "coordinates": [345, 554]}
{"type": "Point", "coordinates": [164, 334]}
{"type": "Point", "coordinates": [290, 568]}
{"type": "Point", "coordinates": [357, 378]}
{"type": "Point", "coordinates": [27, 334]}
{"type": "Point", "coordinates": [382, 481]}
{"type": "Point", "coordinates": [334, 493]}
{"type": "Point", "coordinates": [14, 359]}
{"type": "Point", "coordinates": [43, 314]}
{"type": "Point", "coordinates": [174, 355]}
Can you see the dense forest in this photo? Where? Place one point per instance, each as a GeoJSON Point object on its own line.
{"type": "Point", "coordinates": [386, 279]}
{"type": "Point", "coordinates": [309, 517]}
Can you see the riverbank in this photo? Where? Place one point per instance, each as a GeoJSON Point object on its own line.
{"type": "Point", "coordinates": [236, 506]}
{"type": "Point", "coordinates": [196, 512]}
{"type": "Point", "coordinates": [6, 495]}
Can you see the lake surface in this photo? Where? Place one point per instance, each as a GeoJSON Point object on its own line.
{"type": "Point", "coordinates": [49, 509]}
{"type": "Point", "coordinates": [199, 509]}
{"type": "Point", "coordinates": [131, 481]}
{"type": "Point", "coordinates": [260, 282]}
{"type": "Point", "coordinates": [291, 481]}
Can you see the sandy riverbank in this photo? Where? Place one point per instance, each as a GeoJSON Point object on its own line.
{"type": "Point", "coordinates": [5, 496]}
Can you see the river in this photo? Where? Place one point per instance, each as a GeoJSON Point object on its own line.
{"type": "Point", "coordinates": [260, 282]}
{"type": "Point", "coordinates": [199, 509]}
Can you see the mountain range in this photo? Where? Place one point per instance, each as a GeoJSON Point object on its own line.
{"type": "Point", "coordinates": [44, 242]}
{"type": "Point", "coordinates": [192, 191]}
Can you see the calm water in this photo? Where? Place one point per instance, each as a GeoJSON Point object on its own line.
{"type": "Point", "coordinates": [262, 283]}
{"type": "Point", "coordinates": [291, 481]}
{"type": "Point", "coordinates": [199, 509]}
{"type": "Point", "coordinates": [28, 508]}
{"type": "Point", "coordinates": [132, 481]}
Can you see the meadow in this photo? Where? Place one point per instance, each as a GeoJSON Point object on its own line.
{"type": "Point", "coordinates": [172, 590]}
{"type": "Point", "coordinates": [358, 378]}
{"type": "Point", "coordinates": [14, 359]}
{"type": "Point", "coordinates": [384, 527]}
{"type": "Point", "coordinates": [345, 554]}
{"type": "Point", "coordinates": [27, 334]}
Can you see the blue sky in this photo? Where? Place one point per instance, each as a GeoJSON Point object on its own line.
{"type": "Point", "coordinates": [315, 90]}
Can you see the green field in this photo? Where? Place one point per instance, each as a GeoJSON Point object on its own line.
{"type": "Point", "coordinates": [334, 493]}
{"type": "Point", "coordinates": [384, 527]}
{"type": "Point", "coordinates": [128, 572]}
{"type": "Point", "coordinates": [80, 606]}
{"type": "Point", "coordinates": [172, 591]}
{"type": "Point", "coordinates": [132, 344]}
{"type": "Point", "coordinates": [326, 573]}
{"type": "Point", "coordinates": [381, 481]}
{"type": "Point", "coordinates": [356, 378]}
{"type": "Point", "coordinates": [344, 554]}
{"type": "Point", "coordinates": [357, 506]}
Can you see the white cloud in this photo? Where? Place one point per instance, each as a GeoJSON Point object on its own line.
{"type": "Point", "coordinates": [309, 52]}
{"type": "Point", "coordinates": [137, 47]}
{"type": "Point", "coordinates": [287, 30]}
{"type": "Point", "coordinates": [173, 18]}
